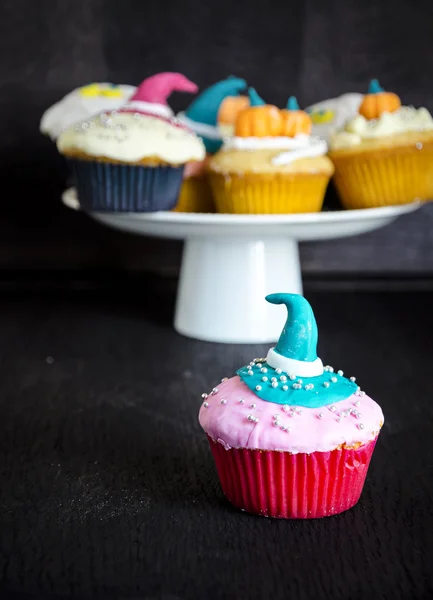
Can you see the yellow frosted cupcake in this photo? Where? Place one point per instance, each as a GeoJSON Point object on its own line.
{"type": "Point", "coordinates": [384, 155]}
{"type": "Point", "coordinates": [272, 164]}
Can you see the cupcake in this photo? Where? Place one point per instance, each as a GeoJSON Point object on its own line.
{"type": "Point", "coordinates": [82, 103]}
{"type": "Point", "coordinates": [384, 155]}
{"type": "Point", "coordinates": [291, 438]}
{"type": "Point", "coordinates": [133, 159]}
{"type": "Point", "coordinates": [272, 164]}
{"type": "Point", "coordinates": [330, 115]}
{"type": "Point", "coordinates": [202, 117]}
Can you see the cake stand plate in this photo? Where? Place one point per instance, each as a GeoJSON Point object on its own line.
{"type": "Point", "coordinates": [231, 262]}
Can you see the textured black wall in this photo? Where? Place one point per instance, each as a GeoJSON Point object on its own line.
{"type": "Point", "coordinates": [312, 48]}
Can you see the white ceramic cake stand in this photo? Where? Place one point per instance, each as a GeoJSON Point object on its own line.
{"type": "Point", "coordinates": [231, 262]}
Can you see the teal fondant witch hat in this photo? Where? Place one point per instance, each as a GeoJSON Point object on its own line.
{"type": "Point", "coordinates": [298, 340]}
{"type": "Point", "coordinates": [204, 109]}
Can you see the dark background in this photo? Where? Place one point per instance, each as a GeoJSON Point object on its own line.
{"type": "Point", "coordinates": [313, 48]}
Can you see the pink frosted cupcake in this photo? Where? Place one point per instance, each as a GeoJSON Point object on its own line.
{"type": "Point", "coordinates": [291, 438]}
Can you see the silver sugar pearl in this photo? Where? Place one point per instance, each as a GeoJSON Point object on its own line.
{"type": "Point", "coordinates": [258, 388]}
{"type": "Point", "coordinates": [279, 371]}
{"type": "Point", "coordinates": [320, 416]}
{"type": "Point", "coordinates": [361, 426]}
{"type": "Point", "coordinates": [259, 365]}
{"type": "Point", "coordinates": [334, 379]}
{"type": "Point", "coordinates": [352, 379]}
{"type": "Point", "coordinates": [204, 396]}
{"type": "Point", "coordinates": [300, 381]}
{"type": "Point", "coordinates": [241, 401]}
{"type": "Point", "coordinates": [283, 378]}
{"type": "Point", "coordinates": [223, 401]}
{"type": "Point", "coordinates": [224, 379]}
{"type": "Point", "coordinates": [326, 384]}
{"type": "Point", "coordinates": [292, 377]}
{"type": "Point", "coordinates": [250, 372]}
{"type": "Point", "coordinates": [340, 372]}
{"type": "Point", "coordinates": [357, 403]}
{"type": "Point", "coordinates": [205, 404]}
{"type": "Point", "coordinates": [252, 405]}
{"type": "Point", "coordinates": [274, 384]}
{"type": "Point", "coordinates": [285, 388]}
{"type": "Point", "coordinates": [273, 379]}
{"type": "Point", "coordinates": [332, 408]}
{"type": "Point", "coordinates": [264, 378]}
{"type": "Point", "coordinates": [264, 370]}
{"type": "Point", "coordinates": [275, 424]}
{"type": "Point", "coordinates": [286, 407]}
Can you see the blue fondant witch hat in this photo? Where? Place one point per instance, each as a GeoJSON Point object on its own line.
{"type": "Point", "coordinates": [298, 340]}
{"type": "Point", "coordinates": [202, 114]}
{"type": "Point", "coordinates": [292, 373]}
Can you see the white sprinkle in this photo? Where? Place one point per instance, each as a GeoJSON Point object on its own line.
{"type": "Point", "coordinates": [332, 408]}
{"type": "Point", "coordinates": [258, 388]}
{"type": "Point", "coordinates": [223, 401]}
{"type": "Point", "coordinates": [250, 372]}
{"type": "Point", "coordinates": [252, 405]}
{"type": "Point", "coordinates": [320, 415]}
{"type": "Point", "coordinates": [340, 372]}
{"type": "Point", "coordinates": [326, 384]}
{"type": "Point", "coordinates": [274, 384]}
{"type": "Point", "coordinates": [334, 379]}
{"type": "Point", "coordinates": [283, 378]}
{"type": "Point", "coordinates": [264, 378]}
{"type": "Point", "coordinates": [264, 370]}
{"type": "Point", "coordinates": [360, 426]}
{"type": "Point", "coordinates": [205, 404]}
{"type": "Point", "coordinates": [273, 379]}
{"type": "Point", "coordinates": [285, 388]}
{"type": "Point", "coordinates": [352, 379]}
{"type": "Point", "coordinates": [292, 377]}
{"type": "Point", "coordinates": [279, 371]}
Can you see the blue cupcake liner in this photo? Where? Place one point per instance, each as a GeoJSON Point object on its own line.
{"type": "Point", "coordinates": [125, 188]}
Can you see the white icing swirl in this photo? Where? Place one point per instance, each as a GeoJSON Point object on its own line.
{"type": "Point", "coordinates": [300, 146]}
{"type": "Point", "coordinates": [203, 129]}
{"type": "Point", "coordinates": [130, 137]}
{"type": "Point", "coordinates": [405, 119]}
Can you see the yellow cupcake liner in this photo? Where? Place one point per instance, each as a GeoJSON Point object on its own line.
{"type": "Point", "coordinates": [384, 177]}
{"type": "Point", "coordinates": [268, 193]}
{"type": "Point", "coordinates": [195, 196]}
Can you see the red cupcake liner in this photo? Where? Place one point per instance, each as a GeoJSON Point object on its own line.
{"type": "Point", "coordinates": [292, 486]}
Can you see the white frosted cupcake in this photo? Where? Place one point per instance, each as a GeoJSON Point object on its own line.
{"type": "Point", "coordinates": [133, 159]}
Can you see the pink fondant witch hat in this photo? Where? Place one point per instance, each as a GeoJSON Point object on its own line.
{"type": "Point", "coordinates": [151, 95]}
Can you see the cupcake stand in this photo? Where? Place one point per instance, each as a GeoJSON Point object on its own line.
{"type": "Point", "coordinates": [231, 262]}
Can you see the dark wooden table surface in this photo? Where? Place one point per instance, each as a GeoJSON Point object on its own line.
{"type": "Point", "coordinates": [107, 486]}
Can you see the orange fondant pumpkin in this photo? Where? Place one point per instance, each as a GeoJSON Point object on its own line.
{"type": "Point", "coordinates": [230, 108]}
{"type": "Point", "coordinates": [377, 101]}
{"type": "Point", "coordinates": [295, 120]}
{"type": "Point", "coordinates": [259, 119]}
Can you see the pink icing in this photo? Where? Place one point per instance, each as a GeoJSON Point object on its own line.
{"type": "Point", "coordinates": [225, 419]}
{"type": "Point", "coordinates": [158, 88]}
